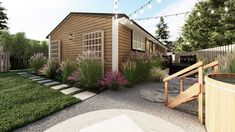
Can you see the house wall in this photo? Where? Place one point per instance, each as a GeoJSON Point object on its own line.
{"type": "Point", "coordinates": [78, 24]}
{"type": "Point", "coordinates": [124, 39]}
{"type": "Point", "coordinates": [125, 43]}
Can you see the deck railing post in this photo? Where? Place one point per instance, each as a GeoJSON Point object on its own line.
{"type": "Point", "coordinates": [216, 69]}
{"type": "Point", "coordinates": [181, 85]}
{"type": "Point", "coordinates": [166, 93]}
{"type": "Point", "coordinates": [200, 97]}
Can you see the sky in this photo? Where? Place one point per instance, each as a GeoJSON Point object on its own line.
{"type": "Point", "coordinates": [37, 18]}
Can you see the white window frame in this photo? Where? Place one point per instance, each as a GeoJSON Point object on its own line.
{"type": "Point", "coordinates": [138, 42]}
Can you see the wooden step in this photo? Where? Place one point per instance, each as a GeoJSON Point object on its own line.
{"type": "Point", "coordinates": [185, 96]}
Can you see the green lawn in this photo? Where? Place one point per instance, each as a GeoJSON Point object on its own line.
{"type": "Point", "coordinates": [23, 101]}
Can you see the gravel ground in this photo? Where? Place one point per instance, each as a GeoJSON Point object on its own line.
{"type": "Point", "coordinates": [123, 99]}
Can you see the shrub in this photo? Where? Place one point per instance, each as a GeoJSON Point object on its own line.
{"type": "Point", "coordinates": [157, 74]}
{"type": "Point", "coordinates": [227, 62]}
{"type": "Point", "coordinates": [143, 65]}
{"type": "Point", "coordinates": [90, 69]}
{"type": "Point", "coordinates": [51, 69]}
{"type": "Point", "coordinates": [66, 69]}
{"type": "Point", "coordinates": [74, 77]}
{"type": "Point", "coordinates": [37, 61]}
{"type": "Point", "coordinates": [129, 71]}
{"type": "Point", "coordinates": [156, 61]}
{"type": "Point", "coordinates": [113, 80]}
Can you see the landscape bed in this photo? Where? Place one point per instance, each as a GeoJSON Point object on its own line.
{"type": "Point", "coordinates": [23, 101]}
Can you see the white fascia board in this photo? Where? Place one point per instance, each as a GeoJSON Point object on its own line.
{"type": "Point", "coordinates": [114, 44]}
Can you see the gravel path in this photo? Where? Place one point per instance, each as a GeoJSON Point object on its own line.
{"type": "Point", "coordinates": [123, 99]}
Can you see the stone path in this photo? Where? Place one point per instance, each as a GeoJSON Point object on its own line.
{"type": "Point", "coordinates": [63, 88]}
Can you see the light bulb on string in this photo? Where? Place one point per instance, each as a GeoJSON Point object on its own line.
{"type": "Point", "coordinates": [199, 14]}
{"type": "Point", "coordinates": [212, 11]}
{"type": "Point", "coordinates": [159, 1]}
{"type": "Point", "coordinates": [226, 9]}
{"type": "Point", "coordinates": [115, 6]}
{"type": "Point", "coordinates": [141, 11]}
{"type": "Point", "coordinates": [149, 5]}
{"type": "Point", "coordinates": [135, 15]}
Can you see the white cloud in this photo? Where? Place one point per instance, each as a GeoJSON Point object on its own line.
{"type": "Point", "coordinates": [174, 23]}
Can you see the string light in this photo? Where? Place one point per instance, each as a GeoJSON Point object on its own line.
{"type": "Point", "coordinates": [150, 5]}
{"type": "Point", "coordinates": [226, 9]}
{"type": "Point", "coordinates": [212, 11]}
{"type": "Point", "coordinates": [135, 15]}
{"type": "Point", "coordinates": [156, 17]}
{"type": "Point", "coordinates": [159, 1]}
{"type": "Point", "coordinates": [116, 8]}
{"type": "Point", "coordinates": [141, 11]}
{"type": "Point", "coordinates": [198, 14]}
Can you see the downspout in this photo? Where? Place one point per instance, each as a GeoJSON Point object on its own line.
{"type": "Point", "coordinates": [115, 66]}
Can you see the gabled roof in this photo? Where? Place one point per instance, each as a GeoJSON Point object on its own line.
{"type": "Point", "coordinates": [120, 15]}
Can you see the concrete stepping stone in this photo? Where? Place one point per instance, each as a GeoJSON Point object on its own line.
{"type": "Point", "coordinates": [51, 83]}
{"type": "Point", "coordinates": [38, 79]}
{"type": "Point", "coordinates": [34, 77]}
{"type": "Point", "coordinates": [44, 81]}
{"type": "Point", "coordinates": [25, 75]}
{"type": "Point", "coordinates": [70, 90]}
{"type": "Point", "coordinates": [21, 73]}
{"type": "Point", "coordinates": [58, 87]}
{"type": "Point", "coordinates": [84, 95]}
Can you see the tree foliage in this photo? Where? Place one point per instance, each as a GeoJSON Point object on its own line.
{"type": "Point", "coordinates": [162, 32]}
{"type": "Point", "coordinates": [21, 48]}
{"type": "Point", "coordinates": [3, 18]}
{"type": "Point", "coordinates": [209, 25]}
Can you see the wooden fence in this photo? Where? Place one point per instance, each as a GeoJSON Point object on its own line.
{"type": "Point", "coordinates": [4, 61]}
{"type": "Point", "coordinates": [209, 54]}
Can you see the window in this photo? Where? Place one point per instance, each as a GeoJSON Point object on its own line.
{"type": "Point", "coordinates": [138, 42]}
{"type": "Point", "coordinates": [94, 42]}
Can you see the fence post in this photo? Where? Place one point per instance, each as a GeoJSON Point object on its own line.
{"type": "Point", "coordinates": [166, 93]}
{"type": "Point", "coordinates": [200, 97]}
{"type": "Point", "coordinates": [181, 85]}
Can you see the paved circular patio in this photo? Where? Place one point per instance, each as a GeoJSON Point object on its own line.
{"type": "Point", "coordinates": [115, 120]}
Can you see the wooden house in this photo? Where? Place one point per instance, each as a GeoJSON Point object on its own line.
{"type": "Point", "coordinates": [110, 37]}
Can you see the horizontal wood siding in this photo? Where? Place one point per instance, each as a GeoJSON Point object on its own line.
{"type": "Point", "coordinates": [78, 24]}
{"type": "Point", "coordinates": [124, 38]}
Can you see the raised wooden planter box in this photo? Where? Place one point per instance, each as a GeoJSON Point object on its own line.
{"type": "Point", "coordinates": [220, 102]}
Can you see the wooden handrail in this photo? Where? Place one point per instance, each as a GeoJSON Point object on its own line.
{"type": "Point", "coordinates": [212, 64]}
{"type": "Point", "coordinates": [192, 67]}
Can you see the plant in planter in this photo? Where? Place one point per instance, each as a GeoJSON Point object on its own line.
{"type": "Point", "coordinates": [66, 69]}
{"type": "Point", "coordinates": [227, 62]}
{"type": "Point", "coordinates": [90, 69]}
{"type": "Point", "coordinates": [129, 71]}
{"type": "Point", "coordinates": [37, 61]}
{"type": "Point", "coordinates": [157, 74]}
{"type": "Point", "coordinates": [74, 77]}
{"type": "Point", "coordinates": [51, 69]}
{"type": "Point", "coordinates": [113, 80]}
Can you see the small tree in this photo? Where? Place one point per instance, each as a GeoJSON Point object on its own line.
{"type": "Point", "coordinates": [162, 33]}
{"type": "Point", "coordinates": [3, 18]}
